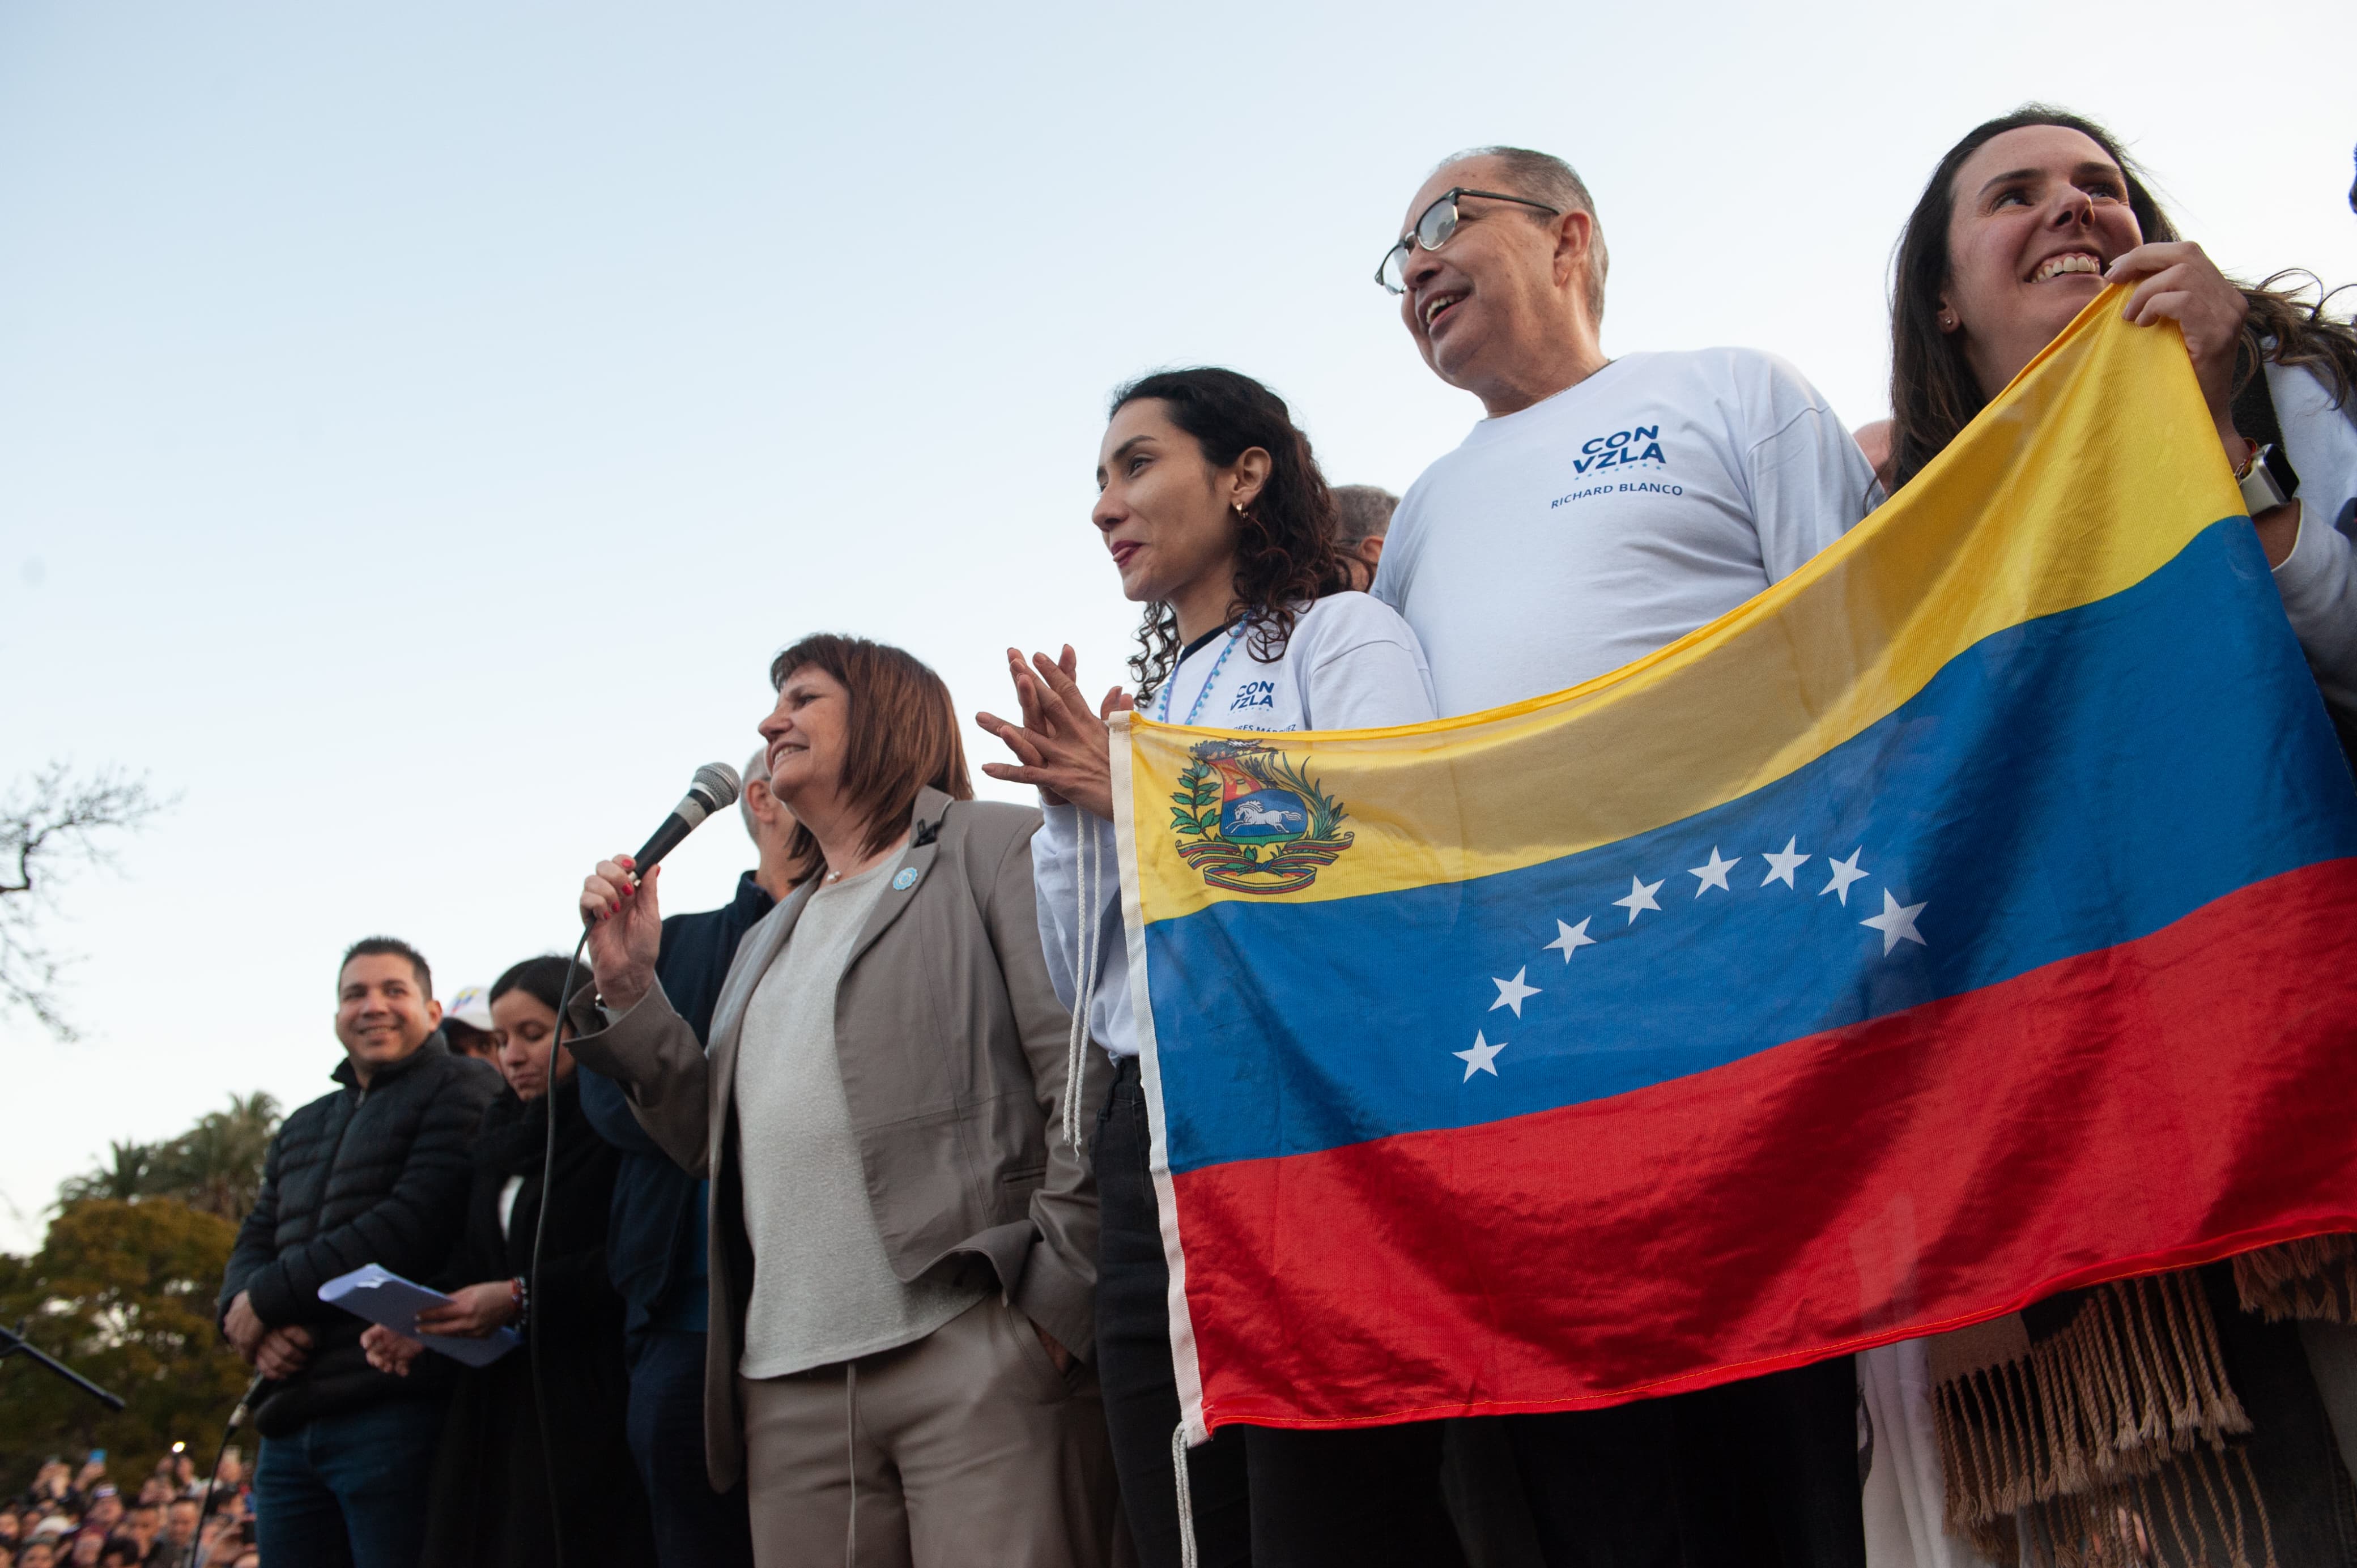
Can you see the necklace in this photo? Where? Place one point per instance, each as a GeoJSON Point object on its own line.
{"type": "Point", "coordinates": [859, 868]}
{"type": "Point", "coordinates": [1197, 711]}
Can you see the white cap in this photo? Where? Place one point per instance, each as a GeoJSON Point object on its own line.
{"type": "Point", "coordinates": [470, 1006]}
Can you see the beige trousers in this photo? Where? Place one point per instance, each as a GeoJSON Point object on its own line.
{"type": "Point", "coordinates": [964, 1450]}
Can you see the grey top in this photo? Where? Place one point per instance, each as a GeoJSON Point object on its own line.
{"type": "Point", "coordinates": [824, 1290]}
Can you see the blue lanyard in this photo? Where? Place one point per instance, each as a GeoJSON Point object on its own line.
{"type": "Point", "coordinates": [1197, 711]}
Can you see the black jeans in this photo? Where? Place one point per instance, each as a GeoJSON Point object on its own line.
{"type": "Point", "coordinates": [1280, 1499]}
{"type": "Point", "coordinates": [694, 1526]}
{"type": "Point", "coordinates": [1761, 1473]}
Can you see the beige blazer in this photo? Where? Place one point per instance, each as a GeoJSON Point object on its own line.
{"type": "Point", "coordinates": [951, 1046]}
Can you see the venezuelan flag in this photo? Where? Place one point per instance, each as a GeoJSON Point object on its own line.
{"type": "Point", "coordinates": [1971, 915]}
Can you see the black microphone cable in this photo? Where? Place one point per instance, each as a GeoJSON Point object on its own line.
{"type": "Point", "coordinates": [716, 786]}
{"type": "Point", "coordinates": [536, 1304]}
{"type": "Point", "coordinates": [213, 1477]}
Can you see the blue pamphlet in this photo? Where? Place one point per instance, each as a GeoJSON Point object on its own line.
{"type": "Point", "coordinates": [382, 1296]}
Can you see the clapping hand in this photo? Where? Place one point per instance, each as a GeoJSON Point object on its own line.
{"type": "Point", "coordinates": [1062, 747]}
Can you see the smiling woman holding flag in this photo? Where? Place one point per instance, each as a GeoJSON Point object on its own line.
{"type": "Point", "coordinates": [1219, 523]}
{"type": "Point", "coordinates": [2032, 215]}
{"type": "Point", "coordinates": [2025, 222]}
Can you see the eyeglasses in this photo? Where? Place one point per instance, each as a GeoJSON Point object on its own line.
{"type": "Point", "coordinates": [1433, 228]}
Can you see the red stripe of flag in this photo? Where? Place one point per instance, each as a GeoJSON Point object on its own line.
{"type": "Point", "coordinates": [1902, 1168]}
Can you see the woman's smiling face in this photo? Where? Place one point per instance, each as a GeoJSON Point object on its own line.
{"type": "Point", "coordinates": [2039, 213]}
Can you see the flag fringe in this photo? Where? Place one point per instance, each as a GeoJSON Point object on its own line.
{"type": "Point", "coordinates": [2072, 1445]}
{"type": "Point", "coordinates": [2314, 1279]}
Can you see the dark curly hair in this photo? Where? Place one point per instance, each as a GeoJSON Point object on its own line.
{"type": "Point", "coordinates": [1285, 544]}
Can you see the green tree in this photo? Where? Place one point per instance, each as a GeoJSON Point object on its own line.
{"type": "Point", "coordinates": [122, 1292]}
{"type": "Point", "coordinates": [216, 1165]}
{"type": "Point", "coordinates": [128, 1175]}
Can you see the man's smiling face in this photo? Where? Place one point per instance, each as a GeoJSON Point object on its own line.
{"type": "Point", "coordinates": [1475, 304]}
{"type": "Point", "coordinates": [382, 1012]}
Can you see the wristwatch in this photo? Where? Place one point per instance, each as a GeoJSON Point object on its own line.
{"type": "Point", "coordinates": [2260, 491]}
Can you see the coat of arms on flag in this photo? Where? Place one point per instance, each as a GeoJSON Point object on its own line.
{"type": "Point", "coordinates": [1251, 821]}
{"type": "Point", "coordinates": [1937, 931]}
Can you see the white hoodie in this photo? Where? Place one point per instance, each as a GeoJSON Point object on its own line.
{"type": "Point", "coordinates": [2318, 579]}
{"type": "Point", "coordinates": [1350, 663]}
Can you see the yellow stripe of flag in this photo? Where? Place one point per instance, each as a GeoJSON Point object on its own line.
{"type": "Point", "coordinates": [1780, 680]}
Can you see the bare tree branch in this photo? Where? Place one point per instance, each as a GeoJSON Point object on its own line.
{"type": "Point", "coordinates": [51, 822]}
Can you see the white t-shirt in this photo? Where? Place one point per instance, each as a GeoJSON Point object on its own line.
{"type": "Point", "coordinates": [1350, 663]}
{"type": "Point", "coordinates": [2318, 579]}
{"type": "Point", "coordinates": [1617, 515]}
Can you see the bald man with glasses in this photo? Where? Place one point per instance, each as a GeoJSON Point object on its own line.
{"type": "Point", "coordinates": [1603, 508]}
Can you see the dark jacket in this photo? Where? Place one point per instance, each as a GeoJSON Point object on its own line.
{"type": "Point", "coordinates": [490, 1499]}
{"type": "Point", "coordinates": [951, 1046]}
{"type": "Point", "coordinates": [374, 1175]}
{"type": "Point", "coordinates": [654, 1241]}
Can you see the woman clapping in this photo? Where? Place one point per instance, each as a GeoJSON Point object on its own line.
{"type": "Point", "coordinates": [1219, 522]}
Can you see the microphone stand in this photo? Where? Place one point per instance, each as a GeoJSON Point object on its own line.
{"type": "Point", "coordinates": [13, 1343]}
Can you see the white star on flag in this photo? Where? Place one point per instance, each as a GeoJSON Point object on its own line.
{"type": "Point", "coordinates": [1512, 992]}
{"type": "Point", "coordinates": [1570, 938]}
{"type": "Point", "coordinates": [1640, 897]}
{"type": "Point", "coordinates": [1845, 873]}
{"type": "Point", "coordinates": [1895, 922]}
{"type": "Point", "coordinates": [1782, 866]}
{"type": "Point", "coordinates": [1479, 1058]}
{"type": "Point", "coordinates": [1714, 874]}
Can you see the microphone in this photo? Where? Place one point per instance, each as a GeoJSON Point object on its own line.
{"type": "Point", "coordinates": [239, 1416]}
{"type": "Point", "coordinates": [715, 788]}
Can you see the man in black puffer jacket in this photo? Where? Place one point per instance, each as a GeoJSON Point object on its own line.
{"type": "Point", "coordinates": [374, 1173]}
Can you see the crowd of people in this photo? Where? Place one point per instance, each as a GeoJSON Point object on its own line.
{"type": "Point", "coordinates": [849, 1249]}
{"type": "Point", "coordinates": [75, 1516]}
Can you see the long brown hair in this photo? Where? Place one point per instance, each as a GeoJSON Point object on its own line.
{"type": "Point", "coordinates": [1285, 544]}
{"type": "Point", "coordinates": [901, 735]}
{"type": "Point", "coordinates": [1934, 392]}
{"type": "Point", "coordinates": [2303, 334]}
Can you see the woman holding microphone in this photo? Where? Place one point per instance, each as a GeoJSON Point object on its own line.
{"type": "Point", "coordinates": [902, 1246]}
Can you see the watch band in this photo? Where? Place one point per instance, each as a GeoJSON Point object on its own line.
{"type": "Point", "coordinates": [2258, 481]}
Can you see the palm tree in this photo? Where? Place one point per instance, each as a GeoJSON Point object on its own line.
{"type": "Point", "coordinates": [125, 1179]}
{"type": "Point", "coordinates": [216, 1165]}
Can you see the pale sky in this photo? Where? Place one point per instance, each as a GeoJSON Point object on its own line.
{"type": "Point", "coordinates": [420, 425]}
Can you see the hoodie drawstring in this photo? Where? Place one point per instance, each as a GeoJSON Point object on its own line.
{"type": "Point", "coordinates": [1186, 1500]}
{"type": "Point", "coordinates": [1089, 880]}
{"type": "Point", "coordinates": [851, 1460]}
